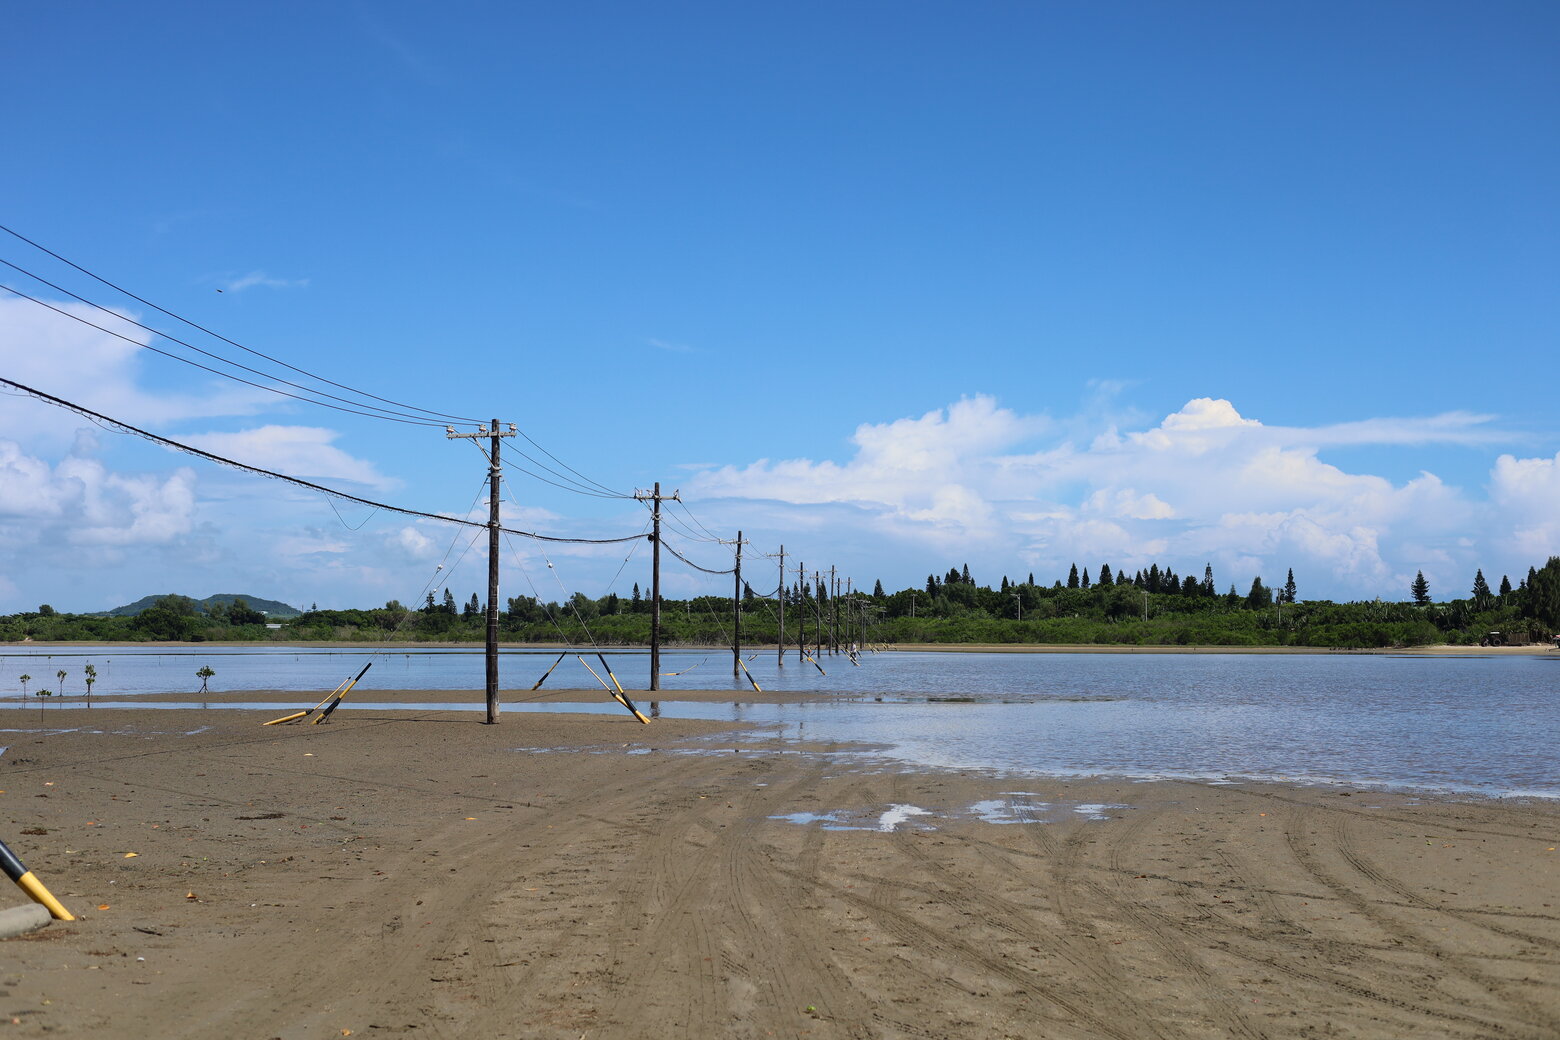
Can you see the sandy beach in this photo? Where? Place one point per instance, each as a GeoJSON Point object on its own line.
{"type": "Point", "coordinates": [419, 874]}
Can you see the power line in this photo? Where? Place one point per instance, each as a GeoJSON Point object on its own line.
{"type": "Point", "coordinates": [571, 469]}
{"type": "Point", "coordinates": [223, 461]}
{"type": "Point", "coordinates": [575, 486]}
{"type": "Point", "coordinates": [218, 335]}
{"type": "Point", "coordinates": [207, 368]}
{"type": "Point", "coordinates": [695, 566]}
{"type": "Point", "coordinates": [696, 520]}
{"type": "Point", "coordinates": [185, 343]}
{"type": "Point", "coordinates": [588, 487]}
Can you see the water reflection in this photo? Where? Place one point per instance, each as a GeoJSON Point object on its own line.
{"type": "Point", "coordinates": [1481, 724]}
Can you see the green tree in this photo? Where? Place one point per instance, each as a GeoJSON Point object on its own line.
{"type": "Point", "coordinates": [46, 611]}
{"type": "Point", "coordinates": [1420, 588]}
{"type": "Point", "coordinates": [1083, 580]}
{"type": "Point", "coordinates": [1260, 595]}
{"type": "Point", "coordinates": [1289, 587]}
{"type": "Point", "coordinates": [1072, 577]}
{"type": "Point", "coordinates": [24, 679]}
{"type": "Point", "coordinates": [448, 606]}
{"type": "Point", "coordinates": [1105, 575]}
{"type": "Point", "coordinates": [204, 675]}
{"type": "Point", "coordinates": [1481, 590]}
{"type": "Point", "coordinates": [89, 673]}
{"type": "Point", "coordinates": [877, 589]}
{"type": "Point", "coordinates": [241, 613]}
{"type": "Point", "coordinates": [170, 617]}
{"type": "Point", "coordinates": [1542, 602]}
{"type": "Point", "coordinates": [1505, 586]}
{"type": "Point", "coordinates": [61, 674]}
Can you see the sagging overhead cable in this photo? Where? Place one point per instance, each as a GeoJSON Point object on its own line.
{"type": "Point", "coordinates": [218, 335]}
{"type": "Point", "coordinates": [223, 461]}
{"type": "Point", "coordinates": [377, 413]}
{"type": "Point", "coordinates": [208, 368]}
{"type": "Point", "coordinates": [695, 566]}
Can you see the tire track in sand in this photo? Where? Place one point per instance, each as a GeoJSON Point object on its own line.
{"type": "Point", "coordinates": [1529, 1019]}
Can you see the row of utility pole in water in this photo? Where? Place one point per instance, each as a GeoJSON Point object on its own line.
{"type": "Point", "coordinates": [837, 626]}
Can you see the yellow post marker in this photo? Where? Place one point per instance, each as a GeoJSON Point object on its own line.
{"type": "Point", "coordinates": [549, 671]}
{"type": "Point", "coordinates": [618, 694]}
{"type": "Point", "coordinates": [294, 717]}
{"type": "Point", "coordinates": [608, 667]}
{"type": "Point", "coordinates": [324, 715]}
{"type": "Point", "coordinates": [30, 884]}
{"type": "Point", "coordinates": [750, 678]}
{"type": "Point", "coordinates": [592, 671]}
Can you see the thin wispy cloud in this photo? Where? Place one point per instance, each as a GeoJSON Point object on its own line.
{"type": "Point", "coordinates": [259, 279]}
{"type": "Point", "coordinates": [674, 348]}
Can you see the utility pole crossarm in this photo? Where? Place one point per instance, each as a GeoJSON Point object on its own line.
{"type": "Point", "coordinates": [655, 498]}
{"type": "Point", "coordinates": [493, 436]}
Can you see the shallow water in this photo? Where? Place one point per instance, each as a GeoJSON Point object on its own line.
{"type": "Point", "coordinates": [1464, 724]}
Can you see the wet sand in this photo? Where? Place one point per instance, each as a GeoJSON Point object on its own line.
{"type": "Point", "coordinates": [418, 874]}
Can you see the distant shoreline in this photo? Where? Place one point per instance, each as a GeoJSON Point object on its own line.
{"type": "Point", "coordinates": [1433, 650]}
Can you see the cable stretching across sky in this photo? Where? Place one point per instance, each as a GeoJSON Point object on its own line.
{"type": "Point", "coordinates": [413, 415]}
{"type": "Point", "coordinates": [218, 335]}
{"type": "Point", "coordinates": [197, 364]}
{"type": "Point", "coordinates": [223, 461]}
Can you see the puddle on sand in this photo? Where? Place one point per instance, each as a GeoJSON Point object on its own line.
{"type": "Point", "coordinates": [828, 821]}
{"type": "Point", "coordinates": [898, 814]}
{"type": "Point", "coordinates": [843, 820]}
{"type": "Point", "coordinates": [993, 810]}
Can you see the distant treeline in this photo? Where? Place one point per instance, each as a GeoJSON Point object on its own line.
{"type": "Point", "coordinates": [1154, 608]}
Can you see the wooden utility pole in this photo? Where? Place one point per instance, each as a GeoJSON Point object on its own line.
{"type": "Point", "coordinates": [834, 612]}
{"type": "Point", "coordinates": [848, 602]}
{"type": "Point", "coordinates": [801, 622]}
{"type": "Point", "coordinates": [780, 641]}
{"type": "Point", "coordinates": [736, 614]}
{"type": "Point", "coordinates": [493, 435]}
{"type": "Point", "coordinates": [656, 498]}
{"type": "Point", "coordinates": [818, 611]}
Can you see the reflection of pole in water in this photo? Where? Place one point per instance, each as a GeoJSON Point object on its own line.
{"type": "Point", "coordinates": [655, 709]}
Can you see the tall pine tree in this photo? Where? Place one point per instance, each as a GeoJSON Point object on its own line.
{"type": "Point", "coordinates": [1481, 589]}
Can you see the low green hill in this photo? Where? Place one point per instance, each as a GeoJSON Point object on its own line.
{"type": "Point", "coordinates": [271, 608]}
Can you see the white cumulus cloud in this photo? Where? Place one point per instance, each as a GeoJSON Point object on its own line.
{"type": "Point", "coordinates": [979, 482]}
{"type": "Point", "coordinates": [300, 451]}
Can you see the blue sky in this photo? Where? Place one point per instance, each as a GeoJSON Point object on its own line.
{"type": "Point", "coordinates": [902, 286]}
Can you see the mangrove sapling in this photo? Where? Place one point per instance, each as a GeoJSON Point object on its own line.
{"type": "Point", "coordinates": [91, 676]}
{"type": "Point", "coordinates": [24, 680]}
